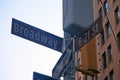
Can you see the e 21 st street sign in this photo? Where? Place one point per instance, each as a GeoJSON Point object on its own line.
{"type": "Point", "coordinates": [36, 35]}
{"type": "Point", "coordinates": [92, 31]}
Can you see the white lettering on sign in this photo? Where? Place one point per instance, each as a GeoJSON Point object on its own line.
{"type": "Point", "coordinates": [37, 36]}
{"type": "Point", "coordinates": [62, 66]}
{"type": "Point", "coordinates": [88, 35]}
{"type": "Point", "coordinates": [92, 31]}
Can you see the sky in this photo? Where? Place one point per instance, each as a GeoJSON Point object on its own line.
{"type": "Point", "coordinates": [19, 57]}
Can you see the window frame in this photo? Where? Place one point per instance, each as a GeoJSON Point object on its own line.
{"type": "Point", "coordinates": [100, 12]}
{"type": "Point", "coordinates": [118, 38]}
{"type": "Point", "coordinates": [102, 37]}
{"type": "Point", "coordinates": [106, 7]}
{"type": "Point", "coordinates": [111, 75]}
{"type": "Point", "coordinates": [104, 60]}
{"type": "Point", "coordinates": [117, 15]}
{"type": "Point", "coordinates": [109, 51]}
{"type": "Point", "coordinates": [108, 29]}
{"type": "Point", "coordinates": [106, 78]}
{"type": "Point", "coordinates": [114, 1]}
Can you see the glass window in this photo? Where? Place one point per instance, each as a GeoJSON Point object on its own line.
{"type": "Point", "coordinates": [111, 75]}
{"type": "Point", "coordinates": [98, 0]}
{"type": "Point", "coordinates": [104, 64]}
{"type": "Point", "coordinates": [100, 12]}
{"type": "Point", "coordinates": [114, 1]}
{"type": "Point", "coordinates": [102, 37]}
{"type": "Point", "coordinates": [106, 78]}
{"type": "Point", "coordinates": [108, 29]}
{"type": "Point", "coordinates": [78, 62]}
{"type": "Point", "coordinates": [80, 78]}
{"type": "Point", "coordinates": [117, 15]}
{"type": "Point", "coordinates": [109, 51]}
{"type": "Point", "coordinates": [106, 7]}
{"type": "Point", "coordinates": [118, 38]}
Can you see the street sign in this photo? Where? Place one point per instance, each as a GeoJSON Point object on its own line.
{"type": "Point", "coordinates": [38, 76]}
{"type": "Point", "coordinates": [92, 31]}
{"type": "Point", "coordinates": [36, 35]}
{"type": "Point", "coordinates": [63, 62]}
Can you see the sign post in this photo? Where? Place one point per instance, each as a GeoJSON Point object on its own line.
{"type": "Point", "coordinates": [68, 69]}
{"type": "Point", "coordinates": [64, 61]}
{"type": "Point", "coordinates": [65, 66]}
{"type": "Point", "coordinates": [36, 35]}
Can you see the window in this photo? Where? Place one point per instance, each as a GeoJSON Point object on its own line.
{"type": "Point", "coordinates": [78, 62]}
{"type": "Point", "coordinates": [106, 7]}
{"type": "Point", "coordinates": [84, 77]}
{"type": "Point", "coordinates": [117, 15]}
{"type": "Point", "coordinates": [104, 64]}
{"type": "Point", "coordinates": [106, 78]}
{"type": "Point", "coordinates": [108, 29]}
{"type": "Point", "coordinates": [90, 77]}
{"type": "Point", "coordinates": [114, 1]}
{"type": "Point", "coordinates": [111, 74]}
{"type": "Point", "coordinates": [98, 1]}
{"type": "Point", "coordinates": [102, 37]}
{"type": "Point", "coordinates": [118, 38]}
{"type": "Point", "coordinates": [100, 12]}
{"type": "Point", "coordinates": [80, 78]}
{"type": "Point", "coordinates": [109, 51]}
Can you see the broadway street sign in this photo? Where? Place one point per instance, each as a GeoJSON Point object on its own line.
{"type": "Point", "coordinates": [36, 35]}
{"type": "Point", "coordinates": [38, 76]}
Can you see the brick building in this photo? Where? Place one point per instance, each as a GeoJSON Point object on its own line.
{"type": "Point", "coordinates": [108, 41]}
{"type": "Point", "coordinates": [102, 53]}
{"type": "Point", "coordinates": [99, 59]}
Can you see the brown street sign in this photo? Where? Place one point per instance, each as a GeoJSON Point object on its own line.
{"type": "Point", "coordinates": [92, 31]}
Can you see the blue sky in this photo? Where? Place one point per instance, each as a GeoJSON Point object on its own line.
{"type": "Point", "coordinates": [20, 57]}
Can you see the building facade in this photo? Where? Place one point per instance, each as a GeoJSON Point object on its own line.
{"type": "Point", "coordinates": [99, 59]}
{"type": "Point", "coordinates": [108, 41]}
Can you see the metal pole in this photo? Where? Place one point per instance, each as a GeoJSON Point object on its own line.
{"type": "Point", "coordinates": [70, 71]}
